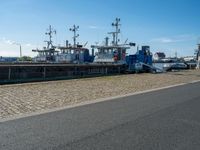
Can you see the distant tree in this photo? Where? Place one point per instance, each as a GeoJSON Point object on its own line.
{"type": "Point", "coordinates": [25, 58]}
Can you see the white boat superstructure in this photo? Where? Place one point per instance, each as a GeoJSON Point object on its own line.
{"type": "Point", "coordinates": [47, 53]}
{"type": "Point", "coordinates": [114, 52]}
{"type": "Point", "coordinates": [66, 57]}
{"type": "Point", "coordinates": [75, 53]}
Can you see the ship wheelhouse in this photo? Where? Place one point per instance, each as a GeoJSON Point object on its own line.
{"type": "Point", "coordinates": [112, 52]}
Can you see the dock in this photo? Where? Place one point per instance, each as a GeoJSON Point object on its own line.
{"type": "Point", "coordinates": [27, 72]}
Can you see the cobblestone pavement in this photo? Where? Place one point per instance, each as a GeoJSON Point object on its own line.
{"type": "Point", "coordinates": [27, 98]}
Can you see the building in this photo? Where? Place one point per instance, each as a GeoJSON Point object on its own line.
{"type": "Point", "coordinates": [159, 56]}
{"type": "Point", "coordinates": [8, 59]}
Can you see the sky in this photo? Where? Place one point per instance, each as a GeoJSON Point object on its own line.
{"type": "Point", "coordinates": [168, 26]}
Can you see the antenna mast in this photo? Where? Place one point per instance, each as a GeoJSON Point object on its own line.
{"type": "Point", "coordinates": [74, 29]}
{"type": "Point", "coordinates": [50, 33]}
{"type": "Point", "coordinates": [115, 34]}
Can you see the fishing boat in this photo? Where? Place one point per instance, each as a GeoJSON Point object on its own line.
{"type": "Point", "coordinates": [114, 52]}
{"type": "Point", "coordinates": [75, 53]}
{"type": "Point", "coordinates": [47, 54]}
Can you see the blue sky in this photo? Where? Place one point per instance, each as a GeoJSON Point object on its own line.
{"type": "Point", "coordinates": [166, 25]}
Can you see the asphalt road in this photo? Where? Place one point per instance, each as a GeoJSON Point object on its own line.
{"type": "Point", "coordinates": [167, 119]}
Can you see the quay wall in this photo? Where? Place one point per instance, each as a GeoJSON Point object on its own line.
{"type": "Point", "coordinates": [19, 73]}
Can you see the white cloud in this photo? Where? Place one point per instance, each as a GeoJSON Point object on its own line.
{"type": "Point", "coordinates": [175, 39]}
{"type": "Point", "coordinates": [162, 40]}
{"type": "Point", "coordinates": [28, 45]}
{"type": "Point", "coordinates": [93, 27]}
{"type": "Point", "coordinates": [9, 42]}
{"type": "Point", "coordinates": [3, 40]}
{"type": "Point", "coordinates": [11, 48]}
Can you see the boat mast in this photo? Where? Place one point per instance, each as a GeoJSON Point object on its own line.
{"type": "Point", "coordinates": [74, 29]}
{"type": "Point", "coordinates": [115, 34]}
{"type": "Point", "coordinates": [50, 33]}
